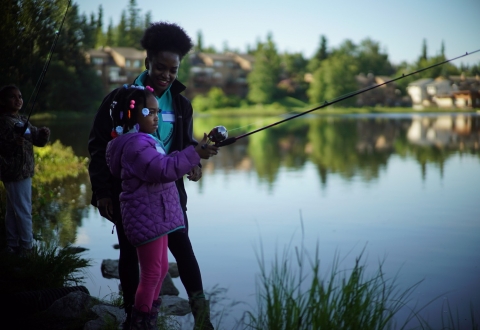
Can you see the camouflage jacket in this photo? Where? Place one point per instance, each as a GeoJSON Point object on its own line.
{"type": "Point", "coordinates": [17, 161]}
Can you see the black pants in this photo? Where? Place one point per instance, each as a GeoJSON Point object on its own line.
{"type": "Point", "coordinates": [179, 245]}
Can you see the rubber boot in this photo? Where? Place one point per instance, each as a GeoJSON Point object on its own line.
{"type": "Point", "coordinates": [128, 317]}
{"type": "Point", "coordinates": [201, 314]}
{"type": "Point", "coordinates": [143, 320]}
{"type": "Point", "coordinates": [156, 309]}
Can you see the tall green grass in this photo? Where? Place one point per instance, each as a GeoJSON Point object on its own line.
{"type": "Point", "coordinates": [292, 294]}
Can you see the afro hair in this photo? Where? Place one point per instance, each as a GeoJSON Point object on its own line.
{"type": "Point", "coordinates": [163, 36]}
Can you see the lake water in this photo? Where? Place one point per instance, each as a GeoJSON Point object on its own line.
{"type": "Point", "coordinates": [403, 187]}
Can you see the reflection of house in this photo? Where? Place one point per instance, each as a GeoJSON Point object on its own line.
{"type": "Point", "coordinates": [455, 92]}
{"type": "Point", "coordinates": [116, 65]}
{"type": "Point", "coordinates": [227, 71]}
{"type": "Point", "coordinates": [445, 131]}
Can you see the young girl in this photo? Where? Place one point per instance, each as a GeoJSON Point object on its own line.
{"type": "Point", "coordinates": [17, 168]}
{"type": "Point", "coordinates": [150, 203]}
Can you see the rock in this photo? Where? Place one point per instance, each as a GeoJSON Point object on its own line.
{"type": "Point", "coordinates": [173, 305]}
{"type": "Point", "coordinates": [71, 306]}
{"type": "Point", "coordinates": [106, 315]}
{"type": "Point", "coordinates": [79, 305]}
{"type": "Point", "coordinates": [109, 268]}
{"type": "Point", "coordinates": [75, 249]}
{"type": "Point", "coordinates": [168, 288]}
{"type": "Point", "coordinates": [173, 269]}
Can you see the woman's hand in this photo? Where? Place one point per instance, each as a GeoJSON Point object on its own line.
{"type": "Point", "coordinates": [195, 174]}
{"type": "Point", "coordinates": [105, 207]}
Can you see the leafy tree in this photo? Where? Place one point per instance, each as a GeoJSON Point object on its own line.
{"type": "Point", "coordinates": [294, 68]}
{"type": "Point", "coordinates": [184, 69]}
{"type": "Point", "coordinates": [264, 77]}
{"type": "Point", "coordinates": [24, 62]}
{"type": "Point", "coordinates": [371, 59]}
{"type": "Point", "coordinates": [215, 99]}
{"type": "Point", "coordinates": [334, 78]}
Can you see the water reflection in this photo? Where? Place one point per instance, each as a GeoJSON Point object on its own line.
{"type": "Point", "coordinates": [349, 146]}
{"type": "Point", "coordinates": [352, 146]}
{"type": "Point", "coordinates": [319, 165]}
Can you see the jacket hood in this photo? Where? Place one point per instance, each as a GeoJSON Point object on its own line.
{"type": "Point", "coordinates": [114, 152]}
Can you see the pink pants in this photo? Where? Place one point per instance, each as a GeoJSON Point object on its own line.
{"type": "Point", "coordinates": [153, 258]}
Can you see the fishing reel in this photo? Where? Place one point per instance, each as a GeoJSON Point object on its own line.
{"type": "Point", "coordinates": [217, 135]}
{"type": "Point", "coordinates": [20, 128]}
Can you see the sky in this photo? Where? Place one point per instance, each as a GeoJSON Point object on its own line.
{"type": "Point", "coordinates": [296, 26]}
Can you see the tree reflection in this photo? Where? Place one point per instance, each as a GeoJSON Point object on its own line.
{"type": "Point", "coordinates": [346, 146]}
{"type": "Point", "coordinates": [59, 194]}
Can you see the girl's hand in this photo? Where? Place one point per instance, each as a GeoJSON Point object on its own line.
{"type": "Point", "coordinates": [44, 131]}
{"type": "Point", "coordinates": [204, 150]}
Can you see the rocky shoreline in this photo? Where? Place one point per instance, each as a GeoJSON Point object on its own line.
{"type": "Point", "coordinates": [79, 310]}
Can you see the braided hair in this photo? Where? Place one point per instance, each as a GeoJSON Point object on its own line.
{"type": "Point", "coordinates": [128, 100]}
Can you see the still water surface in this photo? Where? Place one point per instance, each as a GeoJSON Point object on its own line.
{"type": "Point", "coordinates": [403, 187]}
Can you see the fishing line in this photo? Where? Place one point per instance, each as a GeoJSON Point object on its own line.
{"type": "Point", "coordinates": [219, 134]}
{"type": "Point", "coordinates": [22, 127]}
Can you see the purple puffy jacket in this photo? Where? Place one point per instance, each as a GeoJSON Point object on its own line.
{"type": "Point", "coordinates": [149, 200]}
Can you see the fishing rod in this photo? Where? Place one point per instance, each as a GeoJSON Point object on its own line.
{"type": "Point", "coordinates": [219, 134]}
{"type": "Point", "coordinates": [20, 127]}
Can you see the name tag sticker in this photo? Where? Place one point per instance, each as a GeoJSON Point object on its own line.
{"type": "Point", "coordinates": [168, 117]}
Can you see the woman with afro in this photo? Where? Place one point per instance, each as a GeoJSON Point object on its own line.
{"type": "Point", "coordinates": [166, 44]}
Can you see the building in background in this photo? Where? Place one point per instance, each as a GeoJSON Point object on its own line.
{"type": "Point", "coordinates": [116, 65]}
{"type": "Point", "coordinates": [227, 71]}
{"type": "Point", "coordinates": [453, 92]}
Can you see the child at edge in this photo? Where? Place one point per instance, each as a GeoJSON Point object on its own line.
{"type": "Point", "coordinates": [17, 167]}
{"type": "Point", "coordinates": [149, 201]}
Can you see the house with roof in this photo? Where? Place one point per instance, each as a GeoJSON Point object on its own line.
{"type": "Point", "coordinates": [227, 71]}
{"type": "Point", "coordinates": [116, 65]}
{"type": "Point", "coordinates": [455, 92]}
{"type": "Point", "coordinates": [418, 93]}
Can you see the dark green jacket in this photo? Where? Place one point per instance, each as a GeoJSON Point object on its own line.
{"type": "Point", "coordinates": [17, 161]}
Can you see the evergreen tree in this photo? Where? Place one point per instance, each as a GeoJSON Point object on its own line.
{"type": "Point", "coordinates": [148, 19]}
{"type": "Point", "coordinates": [121, 39]}
{"type": "Point", "coordinates": [199, 45]}
{"type": "Point", "coordinates": [24, 62]}
{"type": "Point", "coordinates": [109, 37]}
{"type": "Point", "coordinates": [135, 27]}
{"type": "Point", "coordinates": [264, 77]}
{"type": "Point", "coordinates": [99, 39]}
{"type": "Point", "coordinates": [424, 50]}
{"type": "Point", "coordinates": [319, 56]}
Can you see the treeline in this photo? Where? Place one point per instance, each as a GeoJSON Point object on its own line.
{"type": "Point", "coordinates": [27, 34]}
{"type": "Point", "coordinates": [332, 71]}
